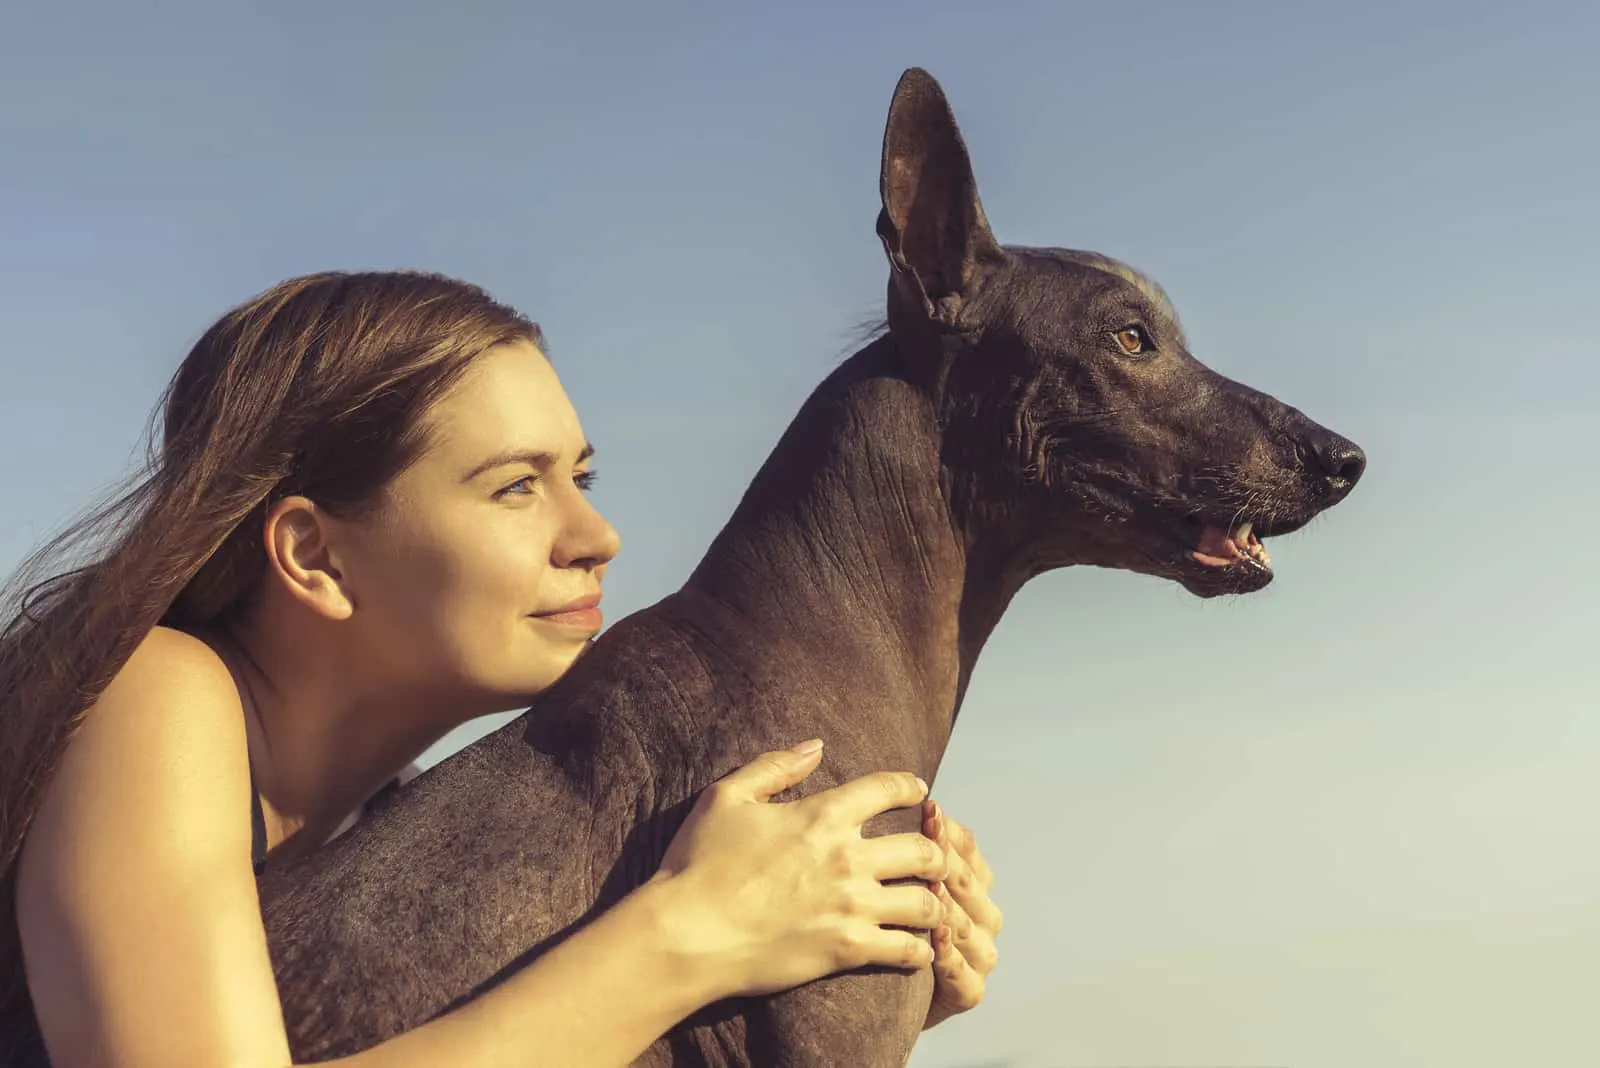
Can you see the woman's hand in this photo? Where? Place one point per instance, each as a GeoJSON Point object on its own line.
{"type": "Point", "coordinates": [964, 951]}
{"type": "Point", "coordinates": [775, 895]}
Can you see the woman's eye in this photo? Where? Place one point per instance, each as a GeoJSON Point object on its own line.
{"type": "Point", "coordinates": [584, 480]}
{"type": "Point", "coordinates": [521, 486]}
{"type": "Point", "coordinates": [1131, 340]}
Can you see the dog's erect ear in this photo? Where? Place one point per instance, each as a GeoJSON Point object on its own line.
{"type": "Point", "coordinates": [932, 224]}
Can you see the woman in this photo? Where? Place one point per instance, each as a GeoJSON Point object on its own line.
{"type": "Point", "coordinates": [366, 526]}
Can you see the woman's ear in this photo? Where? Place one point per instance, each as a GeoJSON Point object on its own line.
{"type": "Point", "coordinates": [298, 538]}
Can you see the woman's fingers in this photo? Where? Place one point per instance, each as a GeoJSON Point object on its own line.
{"type": "Point", "coordinates": [950, 967]}
{"type": "Point", "coordinates": [904, 856]}
{"type": "Point", "coordinates": [967, 890]}
{"type": "Point", "coordinates": [969, 877]}
{"type": "Point", "coordinates": [956, 986]}
{"type": "Point", "coordinates": [865, 944]}
{"type": "Point", "coordinates": [904, 906]}
{"type": "Point", "coordinates": [973, 919]}
{"type": "Point", "coordinates": [965, 844]}
{"type": "Point", "coordinates": [951, 834]}
{"type": "Point", "coordinates": [770, 773]}
{"type": "Point", "coordinates": [956, 918]}
{"type": "Point", "coordinates": [858, 800]}
{"type": "Point", "coordinates": [974, 942]}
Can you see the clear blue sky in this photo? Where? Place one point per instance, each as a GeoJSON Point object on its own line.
{"type": "Point", "coordinates": [1349, 821]}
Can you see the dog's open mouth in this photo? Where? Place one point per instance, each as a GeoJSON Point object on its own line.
{"type": "Point", "coordinates": [1231, 546]}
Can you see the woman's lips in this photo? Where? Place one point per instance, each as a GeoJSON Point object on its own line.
{"type": "Point", "coordinates": [583, 614]}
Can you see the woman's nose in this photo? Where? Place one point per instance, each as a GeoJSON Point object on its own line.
{"type": "Point", "coordinates": [587, 540]}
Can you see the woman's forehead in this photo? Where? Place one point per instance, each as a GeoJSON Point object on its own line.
{"type": "Point", "coordinates": [511, 399]}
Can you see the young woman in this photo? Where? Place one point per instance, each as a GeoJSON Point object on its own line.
{"type": "Point", "coordinates": [366, 525]}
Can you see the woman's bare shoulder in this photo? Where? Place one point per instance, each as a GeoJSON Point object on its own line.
{"type": "Point", "coordinates": [163, 742]}
{"type": "Point", "coordinates": [174, 665]}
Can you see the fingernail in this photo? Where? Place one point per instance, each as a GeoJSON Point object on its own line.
{"type": "Point", "coordinates": [807, 748]}
{"type": "Point", "coordinates": [923, 785]}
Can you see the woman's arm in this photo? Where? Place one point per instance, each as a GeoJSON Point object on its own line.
{"type": "Point", "coordinates": [751, 898]}
{"type": "Point", "coordinates": [600, 998]}
{"type": "Point", "coordinates": [142, 930]}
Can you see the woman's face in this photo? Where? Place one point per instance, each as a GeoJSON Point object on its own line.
{"type": "Point", "coordinates": [479, 574]}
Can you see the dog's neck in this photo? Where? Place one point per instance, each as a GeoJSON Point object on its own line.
{"type": "Point", "coordinates": [850, 529]}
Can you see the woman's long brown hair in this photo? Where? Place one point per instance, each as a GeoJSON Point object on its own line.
{"type": "Point", "coordinates": [315, 387]}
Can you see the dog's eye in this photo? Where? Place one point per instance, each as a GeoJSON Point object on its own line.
{"type": "Point", "coordinates": [1131, 340]}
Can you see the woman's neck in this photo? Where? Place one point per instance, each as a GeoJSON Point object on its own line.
{"type": "Point", "coordinates": [323, 736]}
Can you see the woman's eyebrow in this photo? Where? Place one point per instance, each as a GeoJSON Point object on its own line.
{"type": "Point", "coordinates": [537, 458]}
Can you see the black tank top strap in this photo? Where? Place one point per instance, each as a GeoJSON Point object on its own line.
{"type": "Point", "coordinates": [258, 828]}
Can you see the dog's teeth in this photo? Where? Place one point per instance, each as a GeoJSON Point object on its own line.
{"type": "Point", "coordinates": [1242, 535]}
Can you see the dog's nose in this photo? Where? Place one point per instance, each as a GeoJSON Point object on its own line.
{"type": "Point", "coordinates": [1337, 459]}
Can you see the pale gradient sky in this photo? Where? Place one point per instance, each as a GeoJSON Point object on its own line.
{"type": "Point", "coordinates": [1348, 821]}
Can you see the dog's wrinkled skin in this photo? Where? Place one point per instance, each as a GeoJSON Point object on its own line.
{"type": "Point", "coordinates": [1027, 409]}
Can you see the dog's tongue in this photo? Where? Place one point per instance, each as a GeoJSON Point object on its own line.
{"type": "Point", "coordinates": [1216, 548]}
